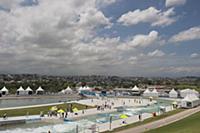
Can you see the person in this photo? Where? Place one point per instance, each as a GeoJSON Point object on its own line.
{"type": "Point", "coordinates": [123, 122]}
{"type": "Point", "coordinates": [49, 131]}
{"type": "Point", "coordinates": [140, 117]}
{"type": "Point", "coordinates": [66, 114]}
{"type": "Point", "coordinates": [4, 116]}
{"type": "Point", "coordinates": [83, 111]}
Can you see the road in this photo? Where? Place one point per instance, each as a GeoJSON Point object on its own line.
{"type": "Point", "coordinates": [162, 122]}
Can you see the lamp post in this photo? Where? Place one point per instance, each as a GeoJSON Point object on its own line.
{"type": "Point", "coordinates": [110, 126]}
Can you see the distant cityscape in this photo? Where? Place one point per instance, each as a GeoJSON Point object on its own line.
{"type": "Point", "coordinates": [57, 83]}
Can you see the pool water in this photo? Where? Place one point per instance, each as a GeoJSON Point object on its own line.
{"type": "Point", "coordinates": [83, 123]}
{"type": "Point", "coordinates": [5, 103]}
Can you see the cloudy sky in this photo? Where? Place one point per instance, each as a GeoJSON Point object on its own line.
{"type": "Point", "coordinates": [106, 37]}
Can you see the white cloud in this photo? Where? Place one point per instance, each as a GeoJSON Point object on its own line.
{"type": "Point", "coordinates": [156, 53]}
{"type": "Point", "coordinates": [8, 4]}
{"type": "Point", "coordinates": [55, 34]}
{"type": "Point", "coordinates": [142, 40]}
{"type": "Point", "coordinates": [187, 35]}
{"type": "Point", "coordinates": [181, 69]}
{"type": "Point", "coordinates": [151, 15]}
{"type": "Point", "coordinates": [170, 3]}
{"type": "Point", "coordinates": [103, 3]}
{"type": "Point", "coordinates": [194, 55]}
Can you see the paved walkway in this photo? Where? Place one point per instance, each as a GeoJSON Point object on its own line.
{"type": "Point", "coordinates": [162, 122]}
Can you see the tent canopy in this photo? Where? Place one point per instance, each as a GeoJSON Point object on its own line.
{"type": "Point", "coordinates": [190, 97]}
{"type": "Point", "coordinates": [173, 92]}
{"type": "Point", "coordinates": [61, 111]}
{"type": "Point", "coordinates": [20, 89]}
{"type": "Point", "coordinates": [123, 116]}
{"type": "Point", "coordinates": [154, 91]}
{"type": "Point", "coordinates": [147, 91]}
{"type": "Point", "coordinates": [4, 89]}
{"type": "Point", "coordinates": [28, 89]}
{"type": "Point", "coordinates": [135, 88]}
{"type": "Point", "coordinates": [68, 89]}
{"type": "Point", "coordinates": [40, 89]}
{"type": "Point", "coordinates": [75, 110]}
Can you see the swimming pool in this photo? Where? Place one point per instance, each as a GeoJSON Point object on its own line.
{"type": "Point", "coordinates": [83, 123]}
{"type": "Point", "coordinates": [5, 103]}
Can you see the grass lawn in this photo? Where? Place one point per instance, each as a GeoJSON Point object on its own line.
{"type": "Point", "coordinates": [145, 121]}
{"type": "Point", "coordinates": [190, 124]}
{"type": "Point", "coordinates": [36, 110]}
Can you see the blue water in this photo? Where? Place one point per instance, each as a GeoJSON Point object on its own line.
{"type": "Point", "coordinates": [5, 103]}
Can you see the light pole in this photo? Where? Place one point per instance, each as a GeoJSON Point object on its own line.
{"type": "Point", "coordinates": [110, 123]}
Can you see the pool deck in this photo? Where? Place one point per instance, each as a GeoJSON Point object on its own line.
{"type": "Point", "coordinates": [31, 106]}
{"type": "Point", "coordinates": [118, 102]}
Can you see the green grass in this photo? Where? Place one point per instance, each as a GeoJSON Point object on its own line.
{"type": "Point", "coordinates": [145, 121]}
{"type": "Point", "coordinates": [36, 110]}
{"type": "Point", "coordinates": [190, 124]}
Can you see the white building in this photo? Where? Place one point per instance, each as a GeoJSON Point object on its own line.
{"type": "Point", "coordinates": [21, 91]}
{"type": "Point", "coordinates": [173, 94]}
{"type": "Point", "coordinates": [29, 91]}
{"type": "Point", "coordinates": [190, 101]}
{"type": "Point", "coordinates": [185, 92]}
{"type": "Point", "coordinates": [40, 91]}
{"type": "Point", "coordinates": [4, 91]}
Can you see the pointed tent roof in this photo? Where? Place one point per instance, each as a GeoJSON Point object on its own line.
{"type": "Point", "coordinates": [154, 91]}
{"type": "Point", "coordinates": [40, 89]}
{"type": "Point", "coordinates": [173, 91]}
{"type": "Point", "coordinates": [4, 89]}
{"type": "Point", "coordinates": [135, 88]}
{"type": "Point", "coordinates": [87, 88]}
{"type": "Point", "coordinates": [20, 89]}
{"type": "Point", "coordinates": [63, 91]}
{"type": "Point", "coordinates": [80, 88]}
{"type": "Point", "coordinates": [28, 89]}
{"type": "Point", "coordinates": [147, 91]}
{"type": "Point", "coordinates": [186, 90]}
{"type": "Point", "coordinates": [68, 89]}
{"type": "Point", "coordinates": [191, 97]}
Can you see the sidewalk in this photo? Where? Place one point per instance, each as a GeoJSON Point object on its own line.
{"type": "Point", "coordinates": [162, 122]}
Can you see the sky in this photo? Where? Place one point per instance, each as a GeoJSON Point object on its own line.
{"type": "Point", "coordinates": [100, 37]}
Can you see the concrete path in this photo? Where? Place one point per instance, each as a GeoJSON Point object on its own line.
{"type": "Point", "coordinates": [162, 122]}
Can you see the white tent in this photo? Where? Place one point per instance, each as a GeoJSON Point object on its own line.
{"type": "Point", "coordinates": [20, 91]}
{"type": "Point", "coordinates": [190, 101]}
{"type": "Point", "coordinates": [80, 88]}
{"type": "Point", "coordinates": [154, 93]}
{"type": "Point", "coordinates": [185, 92]}
{"type": "Point", "coordinates": [40, 91]}
{"type": "Point", "coordinates": [88, 88]}
{"type": "Point", "coordinates": [173, 94]}
{"type": "Point", "coordinates": [135, 88]}
{"type": "Point", "coordinates": [68, 89]}
{"type": "Point", "coordinates": [61, 92]}
{"type": "Point", "coordinates": [29, 91]}
{"type": "Point", "coordinates": [147, 93]}
{"type": "Point", "coordinates": [4, 91]}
